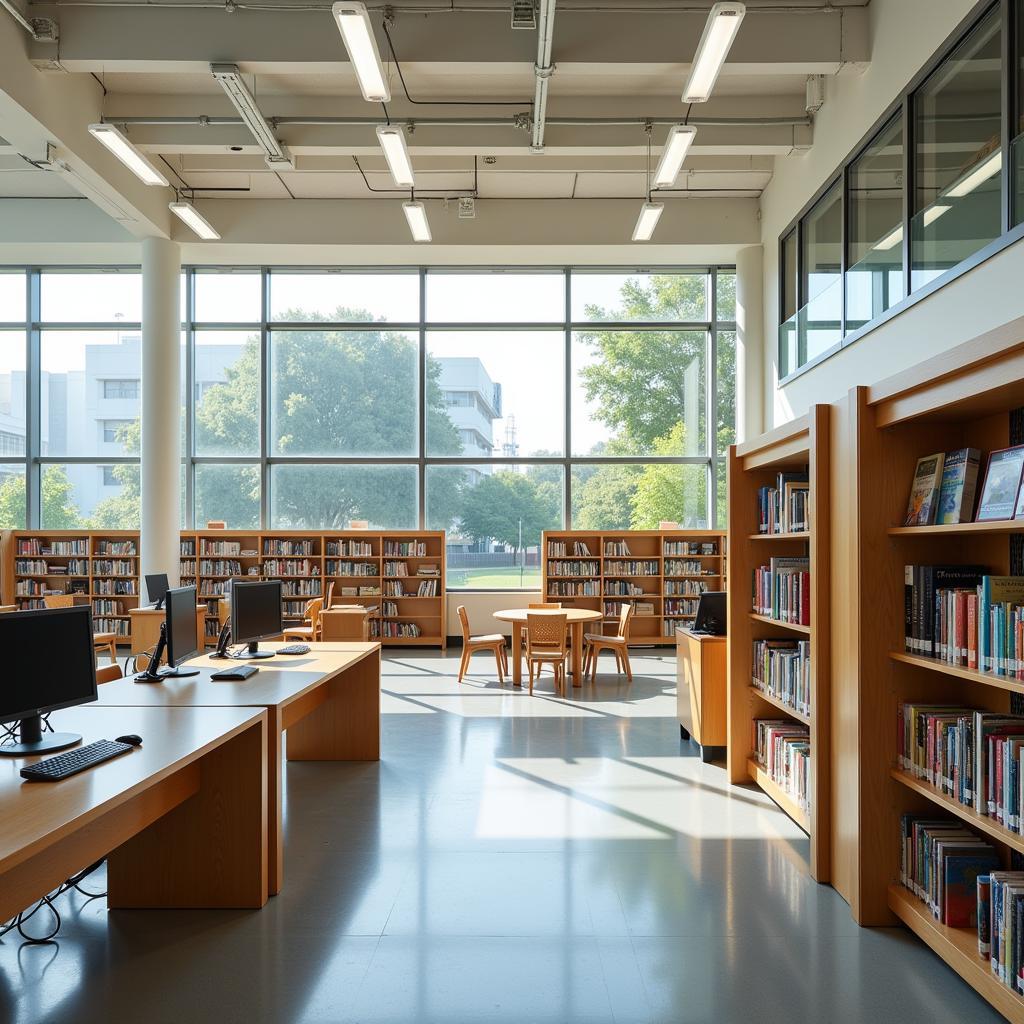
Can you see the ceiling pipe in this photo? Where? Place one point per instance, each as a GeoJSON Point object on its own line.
{"type": "Point", "coordinates": [543, 70]}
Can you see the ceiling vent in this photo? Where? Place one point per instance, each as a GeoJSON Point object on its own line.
{"type": "Point", "coordinates": [524, 14]}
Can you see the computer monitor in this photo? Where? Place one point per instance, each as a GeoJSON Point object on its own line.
{"type": "Point", "coordinates": [255, 615]}
{"type": "Point", "coordinates": [156, 587]}
{"type": "Point", "coordinates": [37, 682]}
{"type": "Point", "coordinates": [178, 633]}
{"type": "Point", "coordinates": [711, 615]}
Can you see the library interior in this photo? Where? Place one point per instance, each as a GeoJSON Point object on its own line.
{"type": "Point", "coordinates": [527, 497]}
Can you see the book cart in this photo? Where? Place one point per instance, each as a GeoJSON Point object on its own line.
{"type": "Point", "coordinates": [802, 445]}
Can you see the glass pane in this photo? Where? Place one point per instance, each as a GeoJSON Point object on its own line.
{"type": "Point", "coordinates": [344, 298]}
{"type": "Point", "coordinates": [820, 283]}
{"type": "Point", "coordinates": [95, 297]}
{"type": "Point", "coordinates": [640, 296]}
{"type": "Point", "coordinates": [726, 379]}
{"type": "Point", "coordinates": [88, 495]}
{"type": "Point", "coordinates": [227, 393]}
{"type": "Point", "coordinates": [874, 281]}
{"type": "Point", "coordinates": [89, 379]}
{"type": "Point", "coordinates": [725, 293]}
{"type": "Point", "coordinates": [789, 275]}
{"type": "Point", "coordinates": [12, 497]}
{"type": "Point", "coordinates": [12, 393]}
{"type": "Point", "coordinates": [345, 393]}
{"type": "Point", "coordinates": [639, 392]}
{"type": "Point", "coordinates": [1017, 130]}
{"type": "Point", "coordinates": [328, 497]}
{"type": "Point", "coordinates": [495, 298]}
{"type": "Point", "coordinates": [494, 517]}
{"type": "Point", "coordinates": [639, 497]}
{"type": "Point", "coordinates": [722, 495]}
{"type": "Point", "coordinates": [958, 115]}
{"type": "Point", "coordinates": [495, 393]}
{"type": "Point", "coordinates": [230, 493]}
{"type": "Point", "coordinates": [227, 298]}
{"type": "Point", "coordinates": [12, 296]}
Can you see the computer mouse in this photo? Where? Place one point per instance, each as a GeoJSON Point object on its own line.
{"type": "Point", "coordinates": [135, 741]}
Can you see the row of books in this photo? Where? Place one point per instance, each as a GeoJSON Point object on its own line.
{"type": "Point", "coordinates": [970, 755]}
{"type": "Point", "coordinates": [59, 548]}
{"type": "Point", "coordinates": [574, 568]}
{"type": "Point", "coordinates": [397, 629]}
{"type": "Point", "coordinates": [116, 547]}
{"type": "Point", "coordinates": [945, 485]}
{"type": "Point", "coordinates": [40, 567]}
{"type": "Point", "coordinates": [352, 568]}
{"type": "Point", "coordinates": [113, 567]}
{"type": "Point", "coordinates": [782, 748]}
{"type": "Point", "coordinates": [559, 549]}
{"type": "Point", "coordinates": [220, 567]}
{"type": "Point", "coordinates": [782, 669]}
{"type": "Point", "coordinates": [349, 548]}
{"type": "Point", "coordinates": [617, 548]}
{"type": "Point", "coordinates": [188, 549]}
{"type": "Point", "coordinates": [274, 546]}
{"type": "Point", "coordinates": [367, 591]}
{"type": "Point", "coordinates": [396, 569]}
{"type": "Point", "coordinates": [390, 609]}
{"type": "Point", "coordinates": [669, 626]}
{"type": "Point", "coordinates": [104, 606]}
{"type": "Point", "coordinates": [34, 588]}
{"type": "Point", "coordinates": [405, 548]}
{"type": "Point", "coordinates": [563, 588]}
{"type": "Point", "coordinates": [633, 568]}
{"type": "Point", "coordinates": [782, 590]}
{"type": "Point", "coordinates": [223, 548]}
{"type": "Point", "coordinates": [690, 547]}
{"type": "Point", "coordinates": [119, 627]}
{"type": "Point", "coordinates": [675, 567]}
{"type": "Point", "coordinates": [683, 606]}
{"type": "Point", "coordinates": [613, 609]}
{"type": "Point", "coordinates": [685, 587]}
{"type": "Point", "coordinates": [622, 588]}
{"type": "Point", "coordinates": [187, 567]}
{"type": "Point", "coordinates": [784, 508]}
{"type": "Point", "coordinates": [290, 567]}
{"type": "Point", "coordinates": [427, 588]}
{"type": "Point", "coordinates": [128, 588]}
{"type": "Point", "coordinates": [301, 588]}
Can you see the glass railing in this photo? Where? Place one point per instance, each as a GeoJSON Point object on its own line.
{"type": "Point", "coordinates": [813, 329]}
{"type": "Point", "coordinates": [875, 283]}
{"type": "Point", "coordinates": [1017, 163]}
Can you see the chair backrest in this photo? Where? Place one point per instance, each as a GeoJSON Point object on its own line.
{"type": "Point", "coordinates": [329, 595]}
{"type": "Point", "coordinates": [624, 618]}
{"type": "Point", "coordinates": [59, 600]}
{"type": "Point", "coordinates": [545, 604]}
{"type": "Point", "coordinates": [313, 609]}
{"type": "Point", "coordinates": [546, 633]}
{"type": "Point", "coordinates": [108, 673]}
{"type": "Point", "coordinates": [463, 621]}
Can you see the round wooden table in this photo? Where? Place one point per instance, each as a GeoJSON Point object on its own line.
{"type": "Point", "coordinates": [575, 617]}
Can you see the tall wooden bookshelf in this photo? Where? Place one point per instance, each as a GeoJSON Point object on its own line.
{"type": "Point", "coordinates": [799, 446]}
{"type": "Point", "coordinates": [665, 570]}
{"type": "Point", "coordinates": [967, 397]}
{"type": "Point", "coordinates": [382, 570]}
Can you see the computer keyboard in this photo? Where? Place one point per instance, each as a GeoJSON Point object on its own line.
{"type": "Point", "coordinates": [294, 649]}
{"type": "Point", "coordinates": [71, 762]}
{"type": "Point", "coordinates": [235, 672]}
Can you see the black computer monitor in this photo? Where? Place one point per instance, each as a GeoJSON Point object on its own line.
{"type": "Point", "coordinates": [255, 615]}
{"type": "Point", "coordinates": [178, 633]}
{"type": "Point", "coordinates": [156, 587]}
{"type": "Point", "coordinates": [711, 615]}
{"type": "Point", "coordinates": [49, 664]}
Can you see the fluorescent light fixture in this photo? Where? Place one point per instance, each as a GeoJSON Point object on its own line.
{"type": "Point", "coordinates": [650, 214]}
{"type": "Point", "coordinates": [357, 35]}
{"type": "Point", "coordinates": [119, 145]}
{"type": "Point", "coordinates": [677, 145]}
{"type": "Point", "coordinates": [392, 141]}
{"type": "Point", "coordinates": [230, 80]}
{"type": "Point", "coordinates": [719, 32]}
{"type": "Point", "coordinates": [187, 213]}
{"type": "Point", "coordinates": [931, 215]}
{"type": "Point", "coordinates": [978, 176]}
{"type": "Point", "coordinates": [416, 215]}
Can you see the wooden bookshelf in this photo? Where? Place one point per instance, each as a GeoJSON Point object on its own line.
{"type": "Point", "coordinates": [670, 582]}
{"type": "Point", "coordinates": [305, 562]}
{"type": "Point", "coordinates": [803, 445]}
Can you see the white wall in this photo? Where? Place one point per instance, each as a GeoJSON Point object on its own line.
{"type": "Point", "coordinates": [905, 34]}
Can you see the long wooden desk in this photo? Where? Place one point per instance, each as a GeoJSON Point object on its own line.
{"type": "Point", "coordinates": [182, 819]}
{"type": "Point", "coordinates": [328, 701]}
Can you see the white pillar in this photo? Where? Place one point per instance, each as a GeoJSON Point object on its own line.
{"type": "Point", "coordinates": [161, 408]}
{"type": "Point", "coordinates": [750, 383]}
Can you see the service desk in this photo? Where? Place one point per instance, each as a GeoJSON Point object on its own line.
{"type": "Point", "coordinates": [701, 691]}
{"type": "Point", "coordinates": [328, 701]}
{"type": "Point", "coordinates": [345, 622]}
{"type": "Point", "coordinates": [145, 625]}
{"type": "Point", "coordinates": [182, 819]}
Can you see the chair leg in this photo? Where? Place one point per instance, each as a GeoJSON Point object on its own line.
{"type": "Point", "coordinates": [625, 662]}
{"type": "Point", "coordinates": [464, 663]}
{"type": "Point", "coordinates": [593, 664]}
{"type": "Point", "coordinates": [497, 661]}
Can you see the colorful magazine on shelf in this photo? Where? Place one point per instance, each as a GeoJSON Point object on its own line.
{"type": "Point", "coordinates": [924, 491]}
{"type": "Point", "coordinates": [959, 486]}
{"type": "Point", "coordinates": [1001, 489]}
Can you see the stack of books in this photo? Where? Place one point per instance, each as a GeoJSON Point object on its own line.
{"type": "Point", "coordinates": [783, 749]}
{"type": "Point", "coordinates": [782, 590]}
{"type": "Point", "coordinates": [782, 669]}
{"type": "Point", "coordinates": [784, 507]}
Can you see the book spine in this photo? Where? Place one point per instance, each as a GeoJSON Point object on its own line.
{"type": "Point", "coordinates": [984, 920]}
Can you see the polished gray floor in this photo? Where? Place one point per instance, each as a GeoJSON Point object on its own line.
{"type": "Point", "coordinates": [510, 859]}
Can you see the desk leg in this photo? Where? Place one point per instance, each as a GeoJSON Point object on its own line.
{"type": "Point", "coordinates": [211, 850]}
{"type": "Point", "coordinates": [517, 654]}
{"type": "Point", "coordinates": [275, 801]}
{"type": "Point", "coordinates": [577, 654]}
{"type": "Point", "coordinates": [345, 726]}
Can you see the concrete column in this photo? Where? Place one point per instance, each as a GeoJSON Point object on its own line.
{"type": "Point", "coordinates": [750, 383]}
{"type": "Point", "coordinates": [161, 408]}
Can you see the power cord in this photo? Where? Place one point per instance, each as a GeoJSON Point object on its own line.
{"type": "Point", "coordinates": [47, 901]}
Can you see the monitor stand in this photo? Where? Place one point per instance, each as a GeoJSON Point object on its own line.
{"type": "Point", "coordinates": [254, 652]}
{"type": "Point", "coordinates": [35, 741]}
{"type": "Point", "coordinates": [178, 672]}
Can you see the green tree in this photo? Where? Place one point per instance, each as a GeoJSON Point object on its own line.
{"type": "Point", "coordinates": [58, 512]}
{"type": "Point", "coordinates": [499, 504]}
{"type": "Point", "coordinates": [123, 511]}
{"type": "Point", "coordinates": [603, 500]}
{"type": "Point", "coordinates": [668, 490]}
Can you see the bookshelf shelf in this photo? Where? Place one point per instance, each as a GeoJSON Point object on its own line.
{"type": "Point", "coordinates": [972, 675]}
{"type": "Point", "coordinates": [778, 794]}
{"type": "Point", "coordinates": [802, 447]}
{"type": "Point", "coordinates": [953, 529]}
{"type": "Point", "coordinates": [958, 947]}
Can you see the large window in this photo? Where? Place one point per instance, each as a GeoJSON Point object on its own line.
{"type": "Point", "coordinates": [521, 400]}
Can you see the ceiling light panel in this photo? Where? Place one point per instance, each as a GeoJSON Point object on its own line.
{"type": "Point", "coordinates": [416, 215]}
{"type": "Point", "coordinates": [719, 33]}
{"type": "Point", "coordinates": [189, 215]}
{"type": "Point", "coordinates": [357, 34]}
{"type": "Point", "coordinates": [650, 214]}
{"type": "Point", "coordinates": [392, 141]}
{"type": "Point", "coordinates": [230, 80]}
{"type": "Point", "coordinates": [677, 145]}
{"type": "Point", "coordinates": [129, 155]}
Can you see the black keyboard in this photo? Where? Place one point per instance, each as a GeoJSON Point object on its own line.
{"type": "Point", "coordinates": [53, 769]}
{"type": "Point", "coordinates": [294, 649]}
{"type": "Point", "coordinates": [236, 672]}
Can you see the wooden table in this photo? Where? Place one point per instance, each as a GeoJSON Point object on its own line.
{"type": "Point", "coordinates": [575, 617]}
{"type": "Point", "coordinates": [328, 701]}
{"type": "Point", "coordinates": [182, 819]}
{"type": "Point", "coordinates": [345, 622]}
{"type": "Point", "coordinates": [701, 691]}
{"type": "Point", "coordinates": [145, 626]}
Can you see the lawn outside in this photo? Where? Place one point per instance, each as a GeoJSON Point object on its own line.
{"type": "Point", "coordinates": [486, 578]}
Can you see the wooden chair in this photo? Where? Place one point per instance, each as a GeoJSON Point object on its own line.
{"type": "Point", "coordinates": [545, 604]}
{"type": "Point", "coordinates": [594, 643]}
{"type": "Point", "coordinates": [309, 632]}
{"type": "Point", "coordinates": [100, 641]}
{"type": "Point", "coordinates": [108, 673]}
{"type": "Point", "coordinates": [489, 642]}
{"type": "Point", "coordinates": [329, 596]}
{"type": "Point", "coordinates": [546, 645]}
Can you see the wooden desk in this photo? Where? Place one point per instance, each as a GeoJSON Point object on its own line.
{"type": "Point", "coordinates": [345, 622]}
{"type": "Point", "coordinates": [701, 691]}
{"type": "Point", "coordinates": [182, 819]}
{"type": "Point", "coordinates": [575, 617]}
{"type": "Point", "coordinates": [328, 701]}
{"type": "Point", "coordinates": [145, 625]}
